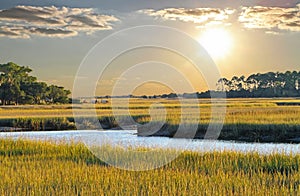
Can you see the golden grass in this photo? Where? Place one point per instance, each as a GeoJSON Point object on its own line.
{"type": "Point", "coordinates": [249, 111]}
{"type": "Point", "coordinates": [43, 168]}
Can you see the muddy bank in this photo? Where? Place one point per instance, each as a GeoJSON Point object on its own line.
{"type": "Point", "coordinates": [61, 123]}
{"type": "Point", "coordinates": [264, 133]}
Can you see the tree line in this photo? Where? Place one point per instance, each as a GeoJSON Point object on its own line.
{"type": "Point", "coordinates": [271, 84]}
{"type": "Point", "coordinates": [17, 86]}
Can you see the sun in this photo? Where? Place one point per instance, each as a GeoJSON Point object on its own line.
{"type": "Point", "coordinates": [217, 42]}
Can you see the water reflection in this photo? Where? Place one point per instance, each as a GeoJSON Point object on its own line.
{"type": "Point", "coordinates": [129, 138]}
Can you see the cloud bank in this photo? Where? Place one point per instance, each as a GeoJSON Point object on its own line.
{"type": "Point", "coordinates": [28, 21]}
{"type": "Point", "coordinates": [271, 18]}
{"type": "Point", "coordinates": [25, 21]}
{"type": "Point", "coordinates": [203, 17]}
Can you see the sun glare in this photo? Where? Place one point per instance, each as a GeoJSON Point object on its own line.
{"type": "Point", "coordinates": [217, 42]}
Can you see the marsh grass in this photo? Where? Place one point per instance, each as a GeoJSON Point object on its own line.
{"type": "Point", "coordinates": [245, 119]}
{"type": "Point", "coordinates": [44, 168]}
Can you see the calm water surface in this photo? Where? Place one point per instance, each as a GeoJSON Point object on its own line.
{"type": "Point", "coordinates": [129, 138]}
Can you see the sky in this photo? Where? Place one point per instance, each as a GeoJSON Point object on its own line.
{"type": "Point", "coordinates": [55, 38]}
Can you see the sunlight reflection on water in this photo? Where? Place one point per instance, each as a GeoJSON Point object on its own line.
{"type": "Point", "coordinates": [128, 138]}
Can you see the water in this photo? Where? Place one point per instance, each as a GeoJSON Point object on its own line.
{"type": "Point", "coordinates": [129, 138]}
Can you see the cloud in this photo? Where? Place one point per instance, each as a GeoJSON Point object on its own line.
{"type": "Point", "coordinates": [272, 32]}
{"type": "Point", "coordinates": [13, 32]}
{"type": "Point", "coordinates": [25, 32]}
{"type": "Point", "coordinates": [25, 21]}
{"type": "Point", "coordinates": [48, 32]}
{"type": "Point", "coordinates": [271, 18]}
{"type": "Point", "coordinates": [200, 16]}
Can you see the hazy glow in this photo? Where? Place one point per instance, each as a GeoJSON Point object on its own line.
{"type": "Point", "coordinates": [217, 42]}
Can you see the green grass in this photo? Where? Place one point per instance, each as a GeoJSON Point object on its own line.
{"type": "Point", "coordinates": [44, 168]}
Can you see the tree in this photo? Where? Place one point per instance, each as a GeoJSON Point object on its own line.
{"type": "Point", "coordinates": [11, 76]}
{"type": "Point", "coordinates": [271, 84]}
{"type": "Point", "coordinates": [18, 87]}
{"type": "Point", "coordinates": [36, 91]}
{"type": "Point", "coordinates": [57, 94]}
{"type": "Point", "coordinates": [223, 85]}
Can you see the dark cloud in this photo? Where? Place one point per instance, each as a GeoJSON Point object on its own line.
{"type": "Point", "coordinates": [29, 14]}
{"type": "Point", "coordinates": [52, 32]}
{"type": "Point", "coordinates": [24, 21]}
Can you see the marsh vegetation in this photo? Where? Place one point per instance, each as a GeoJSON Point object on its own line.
{"type": "Point", "coordinates": [253, 120]}
{"type": "Point", "coordinates": [45, 168]}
